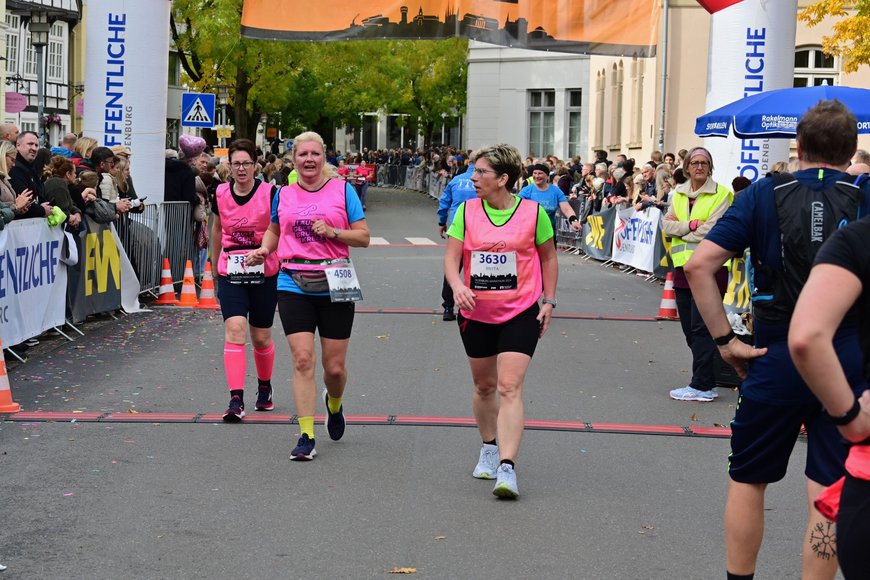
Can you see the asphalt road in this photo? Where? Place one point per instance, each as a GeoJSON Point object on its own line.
{"type": "Point", "coordinates": [616, 480]}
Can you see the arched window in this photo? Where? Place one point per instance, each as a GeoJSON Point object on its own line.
{"type": "Point", "coordinates": [813, 68]}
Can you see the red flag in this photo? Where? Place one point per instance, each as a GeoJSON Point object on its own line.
{"type": "Point", "coordinates": [713, 6]}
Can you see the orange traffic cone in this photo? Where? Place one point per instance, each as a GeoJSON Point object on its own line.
{"type": "Point", "coordinates": [206, 296]}
{"type": "Point", "coordinates": [167, 290]}
{"type": "Point", "coordinates": [668, 308]}
{"type": "Point", "coordinates": [7, 405]}
{"type": "Point", "coordinates": [188, 288]}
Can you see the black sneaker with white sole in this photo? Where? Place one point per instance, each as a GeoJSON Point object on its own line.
{"type": "Point", "coordinates": [235, 412]}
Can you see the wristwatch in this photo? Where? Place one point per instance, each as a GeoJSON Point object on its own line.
{"type": "Point", "coordinates": [336, 231]}
{"type": "Point", "coordinates": [551, 301]}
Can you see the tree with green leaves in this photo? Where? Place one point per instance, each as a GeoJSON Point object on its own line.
{"type": "Point", "coordinates": [851, 34]}
{"type": "Point", "coordinates": [317, 85]}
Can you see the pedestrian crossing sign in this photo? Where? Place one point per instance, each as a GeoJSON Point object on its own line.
{"type": "Point", "coordinates": [197, 110]}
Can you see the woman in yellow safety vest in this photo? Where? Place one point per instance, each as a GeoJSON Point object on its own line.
{"type": "Point", "coordinates": [695, 207]}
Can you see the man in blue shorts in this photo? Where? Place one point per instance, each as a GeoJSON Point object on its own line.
{"type": "Point", "coordinates": [774, 401]}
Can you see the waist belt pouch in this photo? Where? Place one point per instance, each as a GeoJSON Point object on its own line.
{"type": "Point", "coordinates": [309, 280]}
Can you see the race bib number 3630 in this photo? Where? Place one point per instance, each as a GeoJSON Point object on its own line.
{"type": "Point", "coordinates": [493, 270]}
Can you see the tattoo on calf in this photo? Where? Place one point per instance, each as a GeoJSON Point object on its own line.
{"type": "Point", "coordinates": [823, 540]}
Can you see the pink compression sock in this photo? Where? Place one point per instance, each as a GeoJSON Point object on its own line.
{"type": "Point", "coordinates": [265, 360]}
{"type": "Point", "coordinates": [235, 365]}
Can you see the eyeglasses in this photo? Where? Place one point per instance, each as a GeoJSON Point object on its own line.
{"type": "Point", "coordinates": [478, 171]}
{"type": "Point", "coordinates": [242, 164]}
{"type": "Point", "coordinates": [699, 164]}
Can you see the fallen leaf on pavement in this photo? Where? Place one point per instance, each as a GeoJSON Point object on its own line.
{"type": "Point", "coordinates": [133, 411]}
{"type": "Point", "coordinates": [403, 571]}
{"type": "Point", "coordinates": [694, 417]}
{"type": "Point", "coordinates": [440, 537]}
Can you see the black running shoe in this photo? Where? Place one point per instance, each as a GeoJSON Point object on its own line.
{"type": "Point", "coordinates": [235, 411]}
{"type": "Point", "coordinates": [264, 398]}
{"type": "Point", "coordinates": [304, 450]}
{"type": "Point", "coordinates": [449, 314]}
{"type": "Point", "coordinates": [334, 421]}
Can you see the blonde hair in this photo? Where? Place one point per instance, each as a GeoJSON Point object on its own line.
{"type": "Point", "coordinates": [84, 145]}
{"type": "Point", "coordinates": [120, 182]}
{"type": "Point", "coordinates": [504, 159]}
{"type": "Point", "coordinates": [312, 137]}
{"type": "Point", "coordinates": [6, 148]}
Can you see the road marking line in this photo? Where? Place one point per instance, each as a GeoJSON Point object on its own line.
{"type": "Point", "coordinates": [421, 241]}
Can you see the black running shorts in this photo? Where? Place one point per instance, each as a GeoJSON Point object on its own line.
{"type": "Point", "coordinates": [519, 334]}
{"type": "Point", "coordinates": [307, 313]}
{"type": "Point", "coordinates": [763, 436]}
{"type": "Point", "coordinates": [256, 302]}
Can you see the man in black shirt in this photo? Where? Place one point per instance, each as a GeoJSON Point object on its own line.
{"type": "Point", "coordinates": [837, 293]}
{"type": "Point", "coordinates": [26, 175]}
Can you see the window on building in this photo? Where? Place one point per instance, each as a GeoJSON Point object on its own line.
{"type": "Point", "coordinates": [29, 57]}
{"type": "Point", "coordinates": [637, 73]}
{"type": "Point", "coordinates": [174, 69]}
{"type": "Point", "coordinates": [12, 24]}
{"type": "Point", "coordinates": [28, 126]}
{"type": "Point", "coordinates": [616, 107]}
{"type": "Point", "coordinates": [575, 103]}
{"type": "Point", "coordinates": [55, 54]}
{"type": "Point", "coordinates": [542, 122]}
{"type": "Point", "coordinates": [813, 68]}
{"type": "Point", "coordinates": [601, 82]}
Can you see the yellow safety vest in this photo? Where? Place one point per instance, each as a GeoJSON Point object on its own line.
{"type": "Point", "coordinates": [682, 250]}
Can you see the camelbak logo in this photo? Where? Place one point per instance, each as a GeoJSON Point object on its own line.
{"type": "Point", "coordinates": [843, 223]}
{"type": "Point", "coordinates": [817, 221]}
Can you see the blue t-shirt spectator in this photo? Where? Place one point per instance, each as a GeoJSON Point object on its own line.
{"type": "Point", "coordinates": [549, 199]}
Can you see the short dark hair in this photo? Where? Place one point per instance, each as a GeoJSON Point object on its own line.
{"type": "Point", "coordinates": [100, 154]}
{"type": "Point", "coordinates": [245, 146]}
{"type": "Point", "coordinates": [740, 183]}
{"type": "Point", "coordinates": [828, 133]}
{"type": "Point", "coordinates": [24, 134]}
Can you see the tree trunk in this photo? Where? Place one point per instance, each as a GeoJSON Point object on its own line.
{"type": "Point", "coordinates": [240, 107]}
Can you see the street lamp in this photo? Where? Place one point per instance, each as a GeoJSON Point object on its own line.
{"type": "Point", "coordinates": [39, 29]}
{"type": "Point", "coordinates": [223, 97]}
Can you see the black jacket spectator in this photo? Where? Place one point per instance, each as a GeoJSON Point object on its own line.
{"type": "Point", "coordinates": [25, 175]}
{"type": "Point", "coordinates": [180, 183]}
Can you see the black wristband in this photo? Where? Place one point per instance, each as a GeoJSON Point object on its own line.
{"type": "Point", "coordinates": [723, 340]}
{"type": "Point", "coordinates": [572, 219]}
{"type": "Point", "coordinates": [442, 225]}
{"type": "Point", "coordinates": [848, 417]}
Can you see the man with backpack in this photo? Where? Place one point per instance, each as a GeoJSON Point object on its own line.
{"type": "Point", "coordinates": [783, 219]}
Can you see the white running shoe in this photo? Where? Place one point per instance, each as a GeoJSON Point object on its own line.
{"type": "Point", "coordinates": [506, 482]}
{"type": "Point", "coordinates": [487, 464]}
{"type": "Point", "coordinates": [692, 394]}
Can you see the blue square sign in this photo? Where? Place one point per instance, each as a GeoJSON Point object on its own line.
{"type": "Point", "coordinates": [197, 110]}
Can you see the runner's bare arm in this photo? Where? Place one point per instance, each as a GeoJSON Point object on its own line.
{"type": "Point", "coordinates": [701, 271]}
{"type": "Point", "coordinates": [825, 299]}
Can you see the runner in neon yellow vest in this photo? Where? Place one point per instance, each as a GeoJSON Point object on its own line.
{"type": "Point", "coordinates": [695, 207]}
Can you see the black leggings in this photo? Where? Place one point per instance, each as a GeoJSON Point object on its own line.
{"type": "Point", "coordinates": [853, 528]}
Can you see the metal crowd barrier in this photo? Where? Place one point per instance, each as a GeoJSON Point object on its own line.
{"type": "Point", "coordinates": [161, 231]}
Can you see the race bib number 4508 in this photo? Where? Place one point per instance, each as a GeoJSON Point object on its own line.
{"type": "Point", "coordinates": [493, 270]}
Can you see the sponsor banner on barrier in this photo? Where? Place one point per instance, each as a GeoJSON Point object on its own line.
{"type": "Point", "coordinates": [32, 280]}
{"type": "Point", "coordinates": [583, 26]}
{"type": "Point", "coordinates": [597, 239]}
{"type": "Point", "coordinates": [95, 282]}
{"type": "Point", "coordinates": [634, 238]}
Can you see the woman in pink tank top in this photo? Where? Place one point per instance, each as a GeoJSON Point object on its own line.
{"type": "Point", "coordinates": [503, 245]}
{"type": "Point", "coordinates": [315, 222]}
{"type": "Point", "coordinates": [248, 295]}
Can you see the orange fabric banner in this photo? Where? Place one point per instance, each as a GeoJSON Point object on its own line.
{"type": "Point", "coordinates": [608, 27]}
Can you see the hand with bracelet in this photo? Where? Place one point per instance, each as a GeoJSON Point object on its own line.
{"type": "Point", "coordinates": [854, 424]}
{"type": "Point", "coordinates": [736, 352]}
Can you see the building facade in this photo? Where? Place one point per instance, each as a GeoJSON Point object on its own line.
{"type": "Point", "coordinates": [20, 70]}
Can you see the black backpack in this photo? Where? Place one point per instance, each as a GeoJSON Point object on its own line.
{"type": "Point", "coordinates": [807, 218]}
